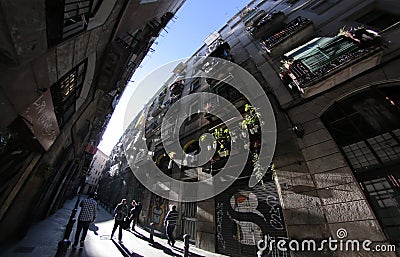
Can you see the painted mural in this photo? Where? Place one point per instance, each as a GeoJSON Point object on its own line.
{"type": "Point", "coordinates": [158, 210]}
{"type": "Point", "coordinates": [245, 216]}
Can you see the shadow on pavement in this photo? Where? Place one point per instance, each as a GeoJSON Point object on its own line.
{"type": "Point", "coordinates": [165, 249]}
{"type": "Point", "coordinates": [141, 236]}
{"type": "Point", "coordinates": [125, 251]}
{"type": "Point", "coordinates": [94, 228]}
{"type": "Point", "coordinates": [76, 253]}
{"type": "Point", "coordinates": [70, 252]}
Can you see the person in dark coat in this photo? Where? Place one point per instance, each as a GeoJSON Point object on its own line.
{"type": "Point", "coordinates": [135, 212]}
{"type": "Point", "coordinates": [132, 214]}
{"type": "Point", "coordinates": [120, 215]}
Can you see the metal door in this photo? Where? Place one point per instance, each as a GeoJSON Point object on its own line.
{"type": "Point", "coordinates": [189, 220]}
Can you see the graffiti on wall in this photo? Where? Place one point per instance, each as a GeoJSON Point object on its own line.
{"type": "Point", "coordinates": [159, 207]}
{"type": "Point", "coordinates": [220, 213]}
{"type": "Point", "coordinates": [245, 216]}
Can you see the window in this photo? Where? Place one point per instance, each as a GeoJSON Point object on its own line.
{"type": "Point", "coordinates": [194, 108]}
{"type": "Point", "coordinates": [195, 85]}
{"type": "Point", "coordinates": [67, 18]}
{"type": "Point", "coordinates": [359, 155]}
{"type": "Point", "coordinates": [366, 127]}
{"type": "Point", "coordinates": [76, 16]}
{"type": "Point", "coordinates": [321, 6]}
{"type": "Point", "coordinates": [381, 190]}
{"type": "Point", "coordinates": [379, 19]}
{"type": "Point", "coordinates": [66, 90]}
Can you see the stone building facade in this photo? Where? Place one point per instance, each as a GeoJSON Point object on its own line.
{"type": "Point", "coordinates": [96, 169]}
{"type": "Point", "coordinates": [329, 69]}
{"type": "Point", "coordinates": [63, 65]}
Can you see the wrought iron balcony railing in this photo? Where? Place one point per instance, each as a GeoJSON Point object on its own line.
{"type": "Point", "coordinates": [76, 16]}
{"type": "Point", "coordinates": [228, 92]}
{"type": "Point", "coordinates": [218, 49]}
{"type": "Point", "coordinates": [253, 17]}
{"type": "Point", "coordinates": [293, 33]}
{"type": "Point", "coordinates": [176, 88]}
{"type": "Point", "coordinates": [140, 40]}
{"type": "Point", "coordinates": [268, 25]}
{"type": "Point", "coordinates": [66, 18]}
{"type": "Point", "coordinates": [308, 68]}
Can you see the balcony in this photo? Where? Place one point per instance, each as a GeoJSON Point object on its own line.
{"type": "Point", "coordinates": [252, 17]}
{"type": "Point", "coordinates": [176, 88]}
{"type": "Point", "coordinates": [140, 40]}
{"type": "Point", "coordinates": [169, 127]}
{"type": "Point", "coordinates": [218, 49]}
{"type": "Point", "coordinates": [326, 62]}
{"type": "Point", "coordinates": [162, 94]}
{"type": "Point", "coordinates": [268, 25]}
{"type": "Point", "coordinates": [130, 40]}
{"type": "Point", "coordinates": [151, 127]}
{"type": "Point", "coordinates": [228, 92]}
{"type": "Point", "coordinates": [293, 34]}
{"type": "Point", "coordinates": [66, 18]}
{"type": "Point", "coordinates": [157, 111]}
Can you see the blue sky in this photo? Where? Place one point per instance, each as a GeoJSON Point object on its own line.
{"type": "Point", "coordinates": [185, 34]}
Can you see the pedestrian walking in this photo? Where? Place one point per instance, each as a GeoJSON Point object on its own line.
{"type": "Point", "coordinates": [86, 216]}
{"type": "Point", "coordinates": [132, 214]}
{"type": "Point", "coordinates": [170, 222]}
{"type": "Point", "coordinates": [135, 212]}
{"type": "Point", "coordinates": [120, 216]}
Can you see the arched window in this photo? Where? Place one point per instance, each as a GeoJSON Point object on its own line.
{"type": "Point", "coordinates": [366, 127]}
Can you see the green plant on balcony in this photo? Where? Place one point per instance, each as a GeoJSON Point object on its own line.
{"type": "Point", "coordinates": [246, 11]}
{"type": "Point", "coordinates": [251, 119]}
{"type": "Point", "coordinates": [171, 155]}
{"type": "Point", "coordinates": [223, 140]}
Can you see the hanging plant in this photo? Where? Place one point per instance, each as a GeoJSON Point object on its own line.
{"type": "Point", "coordinates": [171, 155]}
{"type": "Point", "coordinates": [251, 119]}
{"type": "Point", "coordinates": [222, 140]}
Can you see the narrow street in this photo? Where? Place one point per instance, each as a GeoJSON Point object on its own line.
{"type": "Point", "coordinates": [42, 240]}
